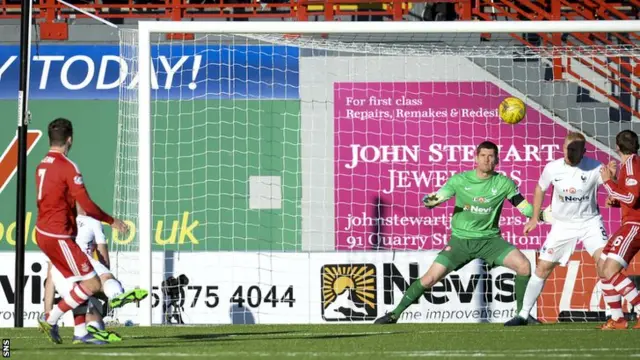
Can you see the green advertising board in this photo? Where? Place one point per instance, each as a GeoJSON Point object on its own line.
{"type": "Point", "coordinates": [206, 148]}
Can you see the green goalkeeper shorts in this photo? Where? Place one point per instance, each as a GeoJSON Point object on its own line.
{"type": "Point", "coordinates": [460, 252]}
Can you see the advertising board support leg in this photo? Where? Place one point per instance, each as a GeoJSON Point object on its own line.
{"type": "Point", "coordinates": [23, 121]}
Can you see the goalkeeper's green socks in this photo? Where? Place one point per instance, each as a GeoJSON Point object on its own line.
{"type": "Point", "coordinates": [521, 287]}
{"type": "Point", "coordinates": [413, 292]}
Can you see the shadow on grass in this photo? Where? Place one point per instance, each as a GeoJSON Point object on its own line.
{"type": "Point", "coordinates": [262, 334]}
{"type": "Point", "coordinates": [212, 335]}
{"type": "Point", "coordinates": [233, 338]}
{"type": "Point", "coordinates": [97, 348]}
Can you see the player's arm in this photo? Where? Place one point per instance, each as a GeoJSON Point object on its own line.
{"type": "Point", "coordinates": [538, 194]}
{"type": "Point", "coordinates": [101, 245]}
{"type": "Point", "coordinates": [611, 202]}
{"type": "Point", "coordinates": [625, 191]}
{"type": "Point", "coordinates": [601, 167]}
{"type": "Point", "coordinates": [79, 192]}
{"type": "Point", "coordinates": [522, 205]}
{"type": "Point", "coordinates": [103, 254]}
{"type": "Point", "coordinates": [443, 194]}
{"type": "Point", "coordinates": [49, 290]}
{"type": "Point", "coordinates": [516, 199]}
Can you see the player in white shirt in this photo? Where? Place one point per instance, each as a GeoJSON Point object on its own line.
{"type": "Point", "coordinates": [575, 213]}
{"type": "Point", "coordinates": [91, 240]}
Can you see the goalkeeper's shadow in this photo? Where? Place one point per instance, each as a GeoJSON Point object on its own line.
{"type": "Point", "coordinates": [214, 336]}
{"type": "Point", "coordinates": [275, 335]}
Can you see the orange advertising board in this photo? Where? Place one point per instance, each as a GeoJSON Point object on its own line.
{"type": "Point", "coordinates": [572, 292]}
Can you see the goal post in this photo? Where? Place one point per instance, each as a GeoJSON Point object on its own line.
{"type": "Point", "coordinates": [337, 194]}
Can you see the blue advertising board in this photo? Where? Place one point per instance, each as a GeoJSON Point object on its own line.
{"type": "Point", "coordinates": [180, 72]}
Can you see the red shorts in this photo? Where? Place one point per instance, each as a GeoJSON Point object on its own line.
{"type": "Point", "coordinates": [624, 244]}
{"type": "Point", "coordinates": [66, 256]}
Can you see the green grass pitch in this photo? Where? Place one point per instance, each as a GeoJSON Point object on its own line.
{"type": "Point", "coordinates": [400, 341]}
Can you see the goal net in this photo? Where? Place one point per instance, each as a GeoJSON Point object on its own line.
{"type": "Point", "coordinates": [278, 178]}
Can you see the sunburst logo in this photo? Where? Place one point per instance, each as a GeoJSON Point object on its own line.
{"type": "Point", "coordinates": [349, 292]}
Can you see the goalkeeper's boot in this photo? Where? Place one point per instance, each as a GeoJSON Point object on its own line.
{"type": "Point", "coordinates": [517, 321]}
{"type": "Point", "coordinates": [104, 335]}
{"type": "Point", "coordinates": [388, 318]}
{"type": "Point", "coordinates": [127, 297]}
{"type": "Point", "coordinates": [620, 324]}
{"type": "Point", "coordinates": [533, 321]}
{"type": "Point", "coordinates": [88, 339]}
{"type": "Point", "coordinates": [50, 330]}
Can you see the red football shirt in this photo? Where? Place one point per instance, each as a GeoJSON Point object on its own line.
{"type": "Point", "coordinates": [627, 189]}
{"type": "Point", "coordinates": [59, 186]}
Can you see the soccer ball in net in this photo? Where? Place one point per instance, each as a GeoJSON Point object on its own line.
{"type": "Point", "coordinates": [512, 110]}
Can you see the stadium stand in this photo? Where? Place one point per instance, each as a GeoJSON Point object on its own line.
{"type": "Point", "coordinates": [54, 19]}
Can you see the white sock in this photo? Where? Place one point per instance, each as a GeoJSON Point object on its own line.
{"type": "Point", "coordinates": [112, 288]}
{"type": "Point", "coordinates": [534, 288]}
{"type": "Point", "coordinates": [80, 330]}
{"type": "Point", "coordinates": [79, 319]}
{"type": "Point", "coordinates": [54, 315]}
{"type": "Point", "coordinates": [96, 324]}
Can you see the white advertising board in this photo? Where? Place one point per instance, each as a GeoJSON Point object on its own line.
{"type": "Point", "coordinates": [278, 288]}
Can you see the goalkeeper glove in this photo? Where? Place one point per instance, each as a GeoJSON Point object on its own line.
{"type": "Point", "coordinates": [430, 200]}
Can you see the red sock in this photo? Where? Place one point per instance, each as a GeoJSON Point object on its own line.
{"type": "Point", "coordinates": [625, 287]}
{"type": "Point", "coordinates": [77, 296]}
{"type": "Point", "coordinates": [612, 298]}
{"type": "Point", "coordinates": [80, 329]}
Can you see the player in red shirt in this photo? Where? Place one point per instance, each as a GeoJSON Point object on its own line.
{"type": "Point", "coordinates": [625, 243]}
{"type": "Point", "coordinates": [59, 186]}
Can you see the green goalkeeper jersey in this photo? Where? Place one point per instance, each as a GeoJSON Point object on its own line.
{"type": "Point", "coordinates": [478, 203]}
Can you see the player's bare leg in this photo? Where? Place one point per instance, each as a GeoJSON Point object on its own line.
{"type": "Point", "coordinates": [49, 294]}
{"type": "Point", "coordinates": [519, 263]}
{"type": "Point", "coordinates": [78, 296]}
{"type": "Point", "coordinates": [118, 297]}
{"type": "Point", "coordinates": [536, 283]}
{"type": "Point", "coordinates": [435, 273]}
{"type": "Point", "coordinates": [532, 291]}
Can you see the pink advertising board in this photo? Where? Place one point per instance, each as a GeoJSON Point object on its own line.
{"type": "Point", "coordinates": [395, 142]}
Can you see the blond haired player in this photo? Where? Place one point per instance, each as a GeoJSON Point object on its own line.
{"type": "Point", "coordinates": [575, 179]}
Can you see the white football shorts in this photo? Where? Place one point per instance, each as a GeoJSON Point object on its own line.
{"type": "Point", "coordinates": [99, 268]}
{"type": "Point", "coordinates": [64, 286]}
{"type": "Point", "coordinates": [562, 239]}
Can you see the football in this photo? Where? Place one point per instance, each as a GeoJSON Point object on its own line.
{"type": "Point", "coordinates": [512, 110]}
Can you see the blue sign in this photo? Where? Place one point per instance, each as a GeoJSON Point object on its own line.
{"type": "Point", "coordinates": [180, 72]}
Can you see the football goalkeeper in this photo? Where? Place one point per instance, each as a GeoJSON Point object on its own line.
{"type": "Point", "coordinates": [480, 195]}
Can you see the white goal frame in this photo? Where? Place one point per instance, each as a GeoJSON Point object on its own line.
{"type": "Point", "coordinates": [146, 28]}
